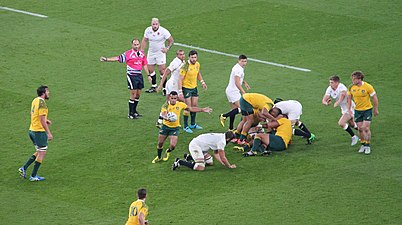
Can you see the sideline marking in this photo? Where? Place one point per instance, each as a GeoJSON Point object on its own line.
{"type": "Point", "coordinates": [250, 59]}
{"type": "Point", "coordinates": [24, 12]}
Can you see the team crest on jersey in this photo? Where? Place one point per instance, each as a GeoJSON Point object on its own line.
{"type": "Point", "coordinates": [177, 108]}
{"type": "Point", "coordinates": [362, 91]}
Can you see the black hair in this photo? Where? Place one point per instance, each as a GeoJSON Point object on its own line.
{"type": "Point", "coordinates": [142, 193]}
{"type": "Point", "coordinates": [192, 52]}
{"type": "Point", "coordinates": [41, 90]}
{"type": "Point", "coordinates": [242, 57]}
{"type": "Point", "coordinates": [229, 135]}
{"type": "Point", "coordinates": [277, 100]}
{"type": "Point", "coordinates": [173, 93]}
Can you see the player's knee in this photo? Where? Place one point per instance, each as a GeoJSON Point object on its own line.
{"type": "Point", "coordinates": [208, 159]}
{"type": "Point", "coordinates": [199, 166]}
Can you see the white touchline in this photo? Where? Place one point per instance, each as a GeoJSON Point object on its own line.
{"type": "Point", "coordinates": [24, 12]}
{"type": "Point", "coordinates": [249, 59]}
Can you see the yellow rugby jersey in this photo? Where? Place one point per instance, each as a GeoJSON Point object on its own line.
{"type": "Point", "coordinates": [176, 108]}
{"type": "Point", "coordinates": [284, 130]}
{"type": "Point", "coordinates": [361, 95]}
{"type": "Point", "coordinates": [135, 209]}
{"type": "Point", "coordinates": [38, 108]}
{"type": "Point", "coordinates": [258, 101]}
{"type": "Point", "coordinates": [190, 74]}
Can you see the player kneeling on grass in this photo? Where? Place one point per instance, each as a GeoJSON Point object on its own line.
{"type": "Point", "coordinates": [265, 143]}
{"type": "Point", "coordinates": [199, 148]}
{"type": "Point", "coordinates": [170, 113]}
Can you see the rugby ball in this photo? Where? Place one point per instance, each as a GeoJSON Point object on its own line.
{"type": "Point", "coordinates": [171, 116]}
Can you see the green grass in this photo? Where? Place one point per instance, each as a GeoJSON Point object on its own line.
{"type": "Point", "coordinates": [99, 158]}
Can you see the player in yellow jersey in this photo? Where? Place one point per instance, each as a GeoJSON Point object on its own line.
{"type": "Point", "coordinates": [189, 74]}
{"type": "Point", "coordinates": [248, 103]}
{"type": "Point", "coordinates": [39, 133]}
{"type": "Point", "coordinates": [265, 143]}
{"type": "Point", "coordinates": [170, 126]}
{"type": "Point", "coordinates": [138, 211]}
{"type": "Point", "coordinates": [362, 93]}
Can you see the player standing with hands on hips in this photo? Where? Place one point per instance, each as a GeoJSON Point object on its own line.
{"type": "Point", "coordinates": [135, 60]}
{"type": "Point", "coordinates": [156, 35]}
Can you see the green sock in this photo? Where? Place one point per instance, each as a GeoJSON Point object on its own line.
{"type": "Point", "coordinates": [29, 161]}
{"type": "Point", "coordinates": [257, 146]}
{"type": "Point", "coordinates": [160, 150]}
{"type": "Point", "coordinates": [36, 168]}
{"type": "Point", "coordinates": [185, 120]}
{"type": "Point", "coordinates": [192, 115]}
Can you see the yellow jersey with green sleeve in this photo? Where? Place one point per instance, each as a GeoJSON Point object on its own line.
{"type": "Point", "coordinates": [190, 73]}
{"type": "Point", "coordinates": [284, 130]}
{"type": "Point", "coordinates": [361, 95]}
{"type": "Point", "coordinates": [176, 108]}
{"type": "Point", "coordinates": [38, 109]}
{"type": "Point", "coordinates": [135, 209]}
{"type": "Point", "coordinates": [258, 101]}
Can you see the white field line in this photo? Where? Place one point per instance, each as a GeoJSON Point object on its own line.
{"type": "Point", "coordinates": [249, 59]}
{"type": "Point", "coordinates": [24, 12]}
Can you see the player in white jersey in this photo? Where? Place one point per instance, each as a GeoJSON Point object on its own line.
{"type": "Point", "coordinates": [338, 92]}
{"type": "Point", "coordinates": [156, 36]}
{"type": "Point", "coordinates": [235, 90]}
{"type": "Point", "coordinates": [293, 109]}
{"type": "Point", "coordinates": [174, 69]}
{"type": "Point", "coordinates": [199, 148]}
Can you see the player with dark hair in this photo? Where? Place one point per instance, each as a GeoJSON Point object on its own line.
{"type": "Point", "coordinates": [170, 128]}
{"type": "Point", "coordinates": [361, 92]}
{"type": "Point", "coordinates": [135, 60]}
{"type": "Point", "coordinates": [199, 148]}
{"type": "Point", "coordinates": [39, 133]}
{"type": "Point", "coordinates": [138, 210]}
{"type": "Point", "coordinates": [234, 91]}
{"type": "Point", "coordinates": [189, 74]}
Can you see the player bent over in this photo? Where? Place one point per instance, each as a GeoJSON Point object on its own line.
{"type": "Point", "coordinates": [265, 143]}
{"type": "Point", "coordinates": [293, 110]}
{"type": "Point", "coordinates": [199, 148]}
{"type": "Point", "coordinates": [171, 126]}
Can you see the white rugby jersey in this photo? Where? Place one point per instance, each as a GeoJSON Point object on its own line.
{"type": "Point", "coordinates": [238, 71]}
{"type": "Point", "coordinates": [289, 106]}
{"type": "Point", "coordinates": [174, 67]}
{"type": "Point", "coordinates": [208, 141]}
{"type": "Point", "coordinates": [336, 93]}
{"type": "Point", "coordinates": [156, 39]}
